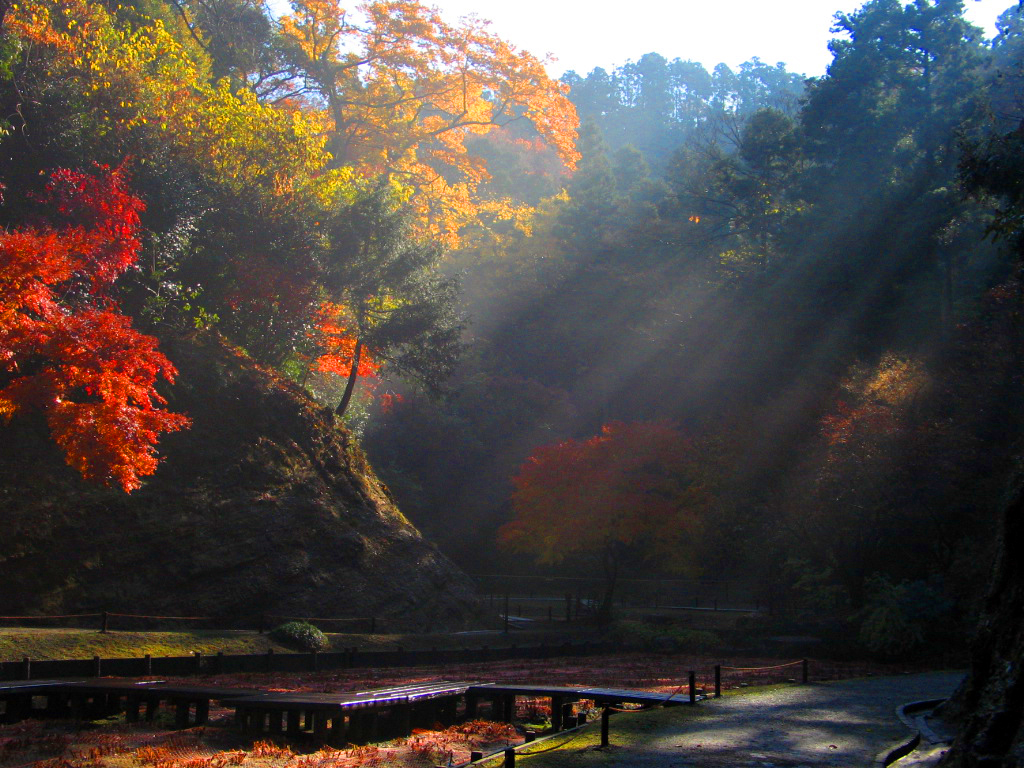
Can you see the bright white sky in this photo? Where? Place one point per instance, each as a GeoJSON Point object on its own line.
{"type": "Point", "coordinates": [583, 34]}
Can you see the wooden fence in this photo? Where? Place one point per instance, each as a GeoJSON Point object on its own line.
{"type": "Point", "coordinates": [221, 663]}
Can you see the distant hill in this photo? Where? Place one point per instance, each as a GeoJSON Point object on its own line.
{"type": "Point", "coordinates": [264, 505]}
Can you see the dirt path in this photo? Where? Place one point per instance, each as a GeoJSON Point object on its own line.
{"type": "Point", "coordinates": [843, 723]}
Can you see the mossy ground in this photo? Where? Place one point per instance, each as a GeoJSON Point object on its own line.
{"type": "Point", "coordinates": [16, 643]}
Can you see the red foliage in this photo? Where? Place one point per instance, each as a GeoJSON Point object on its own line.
{"type": "Point", "coordinates": [633, 483]}
{"type": "Point", "coordinates": [65, 349]}
{"type": "Point", "coordinates": [334, 334]}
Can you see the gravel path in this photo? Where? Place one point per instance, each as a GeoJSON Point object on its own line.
{"type": "Point", "coordinates": [844, 723]}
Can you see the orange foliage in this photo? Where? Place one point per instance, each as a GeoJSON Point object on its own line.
{"type": "Point", "coordinates": [633, 483]}
{"type": "Point", "coordinates": [334, 335]}
{"type": "Point", "coordinates": [406, 89]}
{"type": "Point", "coordinates": [78, 360]}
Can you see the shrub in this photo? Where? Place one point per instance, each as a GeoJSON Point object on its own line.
{"type": "Point", "coordinates": [300, 635]}
{"type": "Point", "coordinates": [901, 618]}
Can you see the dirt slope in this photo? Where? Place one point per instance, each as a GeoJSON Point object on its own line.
{"type": "Point", "coordinates": [265, 505]}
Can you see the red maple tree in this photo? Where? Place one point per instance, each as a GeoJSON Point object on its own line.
{"type": "Point", "coordinates": [632, 490]}
{"type": "Point", "coordinates": [65, 348]}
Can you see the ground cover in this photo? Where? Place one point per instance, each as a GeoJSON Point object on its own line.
{"type": "Point", "coordinates": [68, 643]}
{"type": "Point", "coordinates": [663, 672]}
{"type": "Point", "coordinates": [114, 743]}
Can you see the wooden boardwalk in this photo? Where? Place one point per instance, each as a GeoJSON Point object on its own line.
{"type": "Point", "coordinates": [335, 718]}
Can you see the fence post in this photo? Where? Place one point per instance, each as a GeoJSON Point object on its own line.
{"type": "Point", "coordinates": [474, 756]}
{"type": "Point", "coordinates": [605, 717]}
{"type": "Point", "coordinates": [805, 671]}
{"type": "Point", "coordinates": [199, 660]}
{"type": "Point", "coordinates": [103, 626]}
{"type": "Point", "coordinates": [718, 681]}
{"type": "Point", "coordinates": [693, 687]}
{"type": "Point", "coordinates": [96, 671]}
{"type": "Point", "coordinates": [270, 660]}
{"type": "Point", "coordinates": [263, 623]}
{"type": "Point", "coordinates": [510, 757]}
{"type": "Point", "coordinates": [148, 664]}
{"type": "Point", "coordinates": [219, 668]}
{"type": "Point", "coordinates": [314, 660]}
{"type": "Point", "coordinates": [26, 668]}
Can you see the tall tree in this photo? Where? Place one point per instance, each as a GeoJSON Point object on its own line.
{"type": "Point", "coordinates": [392, 304]}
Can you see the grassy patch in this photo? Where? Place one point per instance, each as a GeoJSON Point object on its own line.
{"type": "Point", "coordinates": [86, 643]}
{"type": "Point", "coordinates": [54, 643]}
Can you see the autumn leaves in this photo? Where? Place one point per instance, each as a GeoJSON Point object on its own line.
{"type": "Point", "coordinates": [65, 348]}
{"type": "Point", "coordinates": [267, 151]}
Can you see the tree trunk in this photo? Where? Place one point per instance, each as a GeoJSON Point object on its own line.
{"type": "Point", "coordinates": [610, 560]}
{"type": "Point", "coordinates": [352, 376]}
{"type": "Point", "coordinates": [990, 703]}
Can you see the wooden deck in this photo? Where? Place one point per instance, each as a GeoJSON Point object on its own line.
{"type": "Point", "coordinates": [356, 717]}
{"type": "Point", "coordinates": [336, 718]}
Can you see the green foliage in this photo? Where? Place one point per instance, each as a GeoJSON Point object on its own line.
{"type": "Point", "coordinates": [301, 636]}
{"type": "Point", "coordinates": [899, 618]}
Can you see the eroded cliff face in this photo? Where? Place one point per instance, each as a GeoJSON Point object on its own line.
{"type": "Point", "coordinates": [265, 505]}
{"type": "Point", "coordinates": [990, 704]}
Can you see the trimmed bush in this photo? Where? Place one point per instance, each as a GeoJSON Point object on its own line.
{"type": "Point", "coordinates": [301, 636]}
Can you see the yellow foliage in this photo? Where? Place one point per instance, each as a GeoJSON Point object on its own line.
{"type": "Point", "coordinates": [405, 90]}
{"type": "Point", "coordinates": [137, 77]}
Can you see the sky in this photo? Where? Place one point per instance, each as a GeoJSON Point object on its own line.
{"type": "Point", "coordinates": [583, 34]}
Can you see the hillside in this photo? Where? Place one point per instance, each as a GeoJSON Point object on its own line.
{"type": "Point", "coordinates": [264, 505]}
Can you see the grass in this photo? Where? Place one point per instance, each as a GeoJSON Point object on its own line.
{"type": "Point", "coordinates": [86, 643]}
{"type": "Point", "coordinates": [51, 643]}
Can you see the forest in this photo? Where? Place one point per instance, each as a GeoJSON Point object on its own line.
{"type": "Point", "coordinates": [725, 325]}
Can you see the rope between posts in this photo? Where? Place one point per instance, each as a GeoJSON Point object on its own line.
{"type": "Point", "coordinates": [146, 616]}
{"type": "Point", "coordinates": [301, 618]}
{"type": "Point", "coordinates": [556, 746]}
{"type": "Point", "coordinates": [756, 669]}
{"type": "Point", "coordinates": [59, 616]}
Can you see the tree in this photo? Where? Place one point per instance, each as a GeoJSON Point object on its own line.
{"type": "Point", "coordinates": [404, 90]}
{"type": "Point", "coordinates": [634, 490]}
{"type": "Point", "coordinates": [65, 350]}
{"type": "Point", "coordinates": [738, 203]}
{"type": "Point", "coordinates": [388, 301]}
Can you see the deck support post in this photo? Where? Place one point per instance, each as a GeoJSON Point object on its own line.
{"type": "Point", "coordinates": [320, 725]}
{"type": "Point", "coordinates": [472, 702]}
{"type": "Point", "coordinates": [339, 730]}
{"type": "Point", "coordinates": [275, 722]}
{"type": "Point", "coordinates": [556, 713]}
{"type": "Point", "coordinates": [181, 714]}
{"type": "Point", "coordinates": [294, 722]}
{"type": "Point", "coordinates": [568, 719]}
